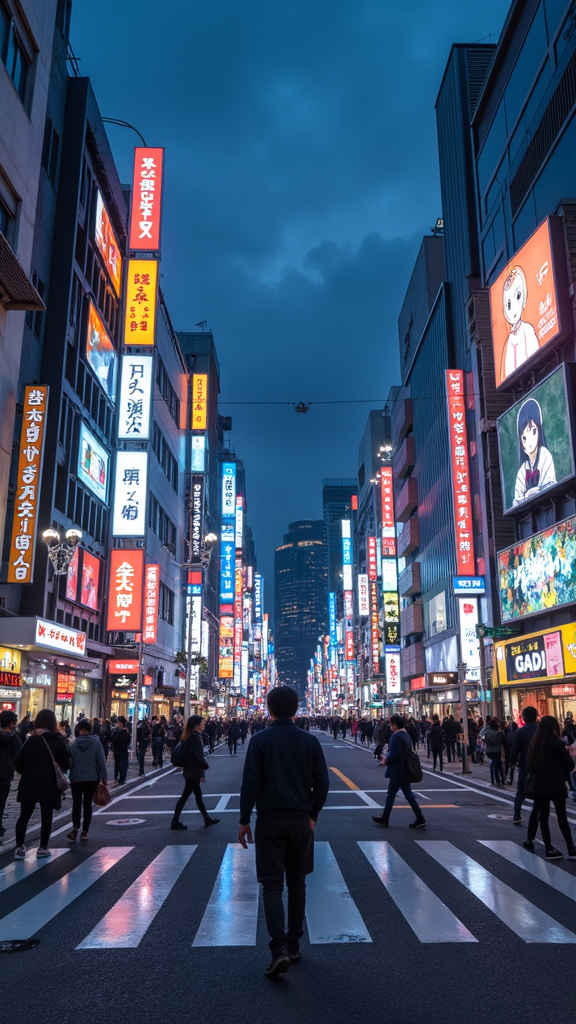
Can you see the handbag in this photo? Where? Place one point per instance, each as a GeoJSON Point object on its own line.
{"type": "Point", "coordinates": [102, 795]}
{"type": "Point", "coordinates": [62, 780]}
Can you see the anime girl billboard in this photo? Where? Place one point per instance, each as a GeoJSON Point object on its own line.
{"type": "Point", "coordinates": [525, 299]}
{"type": "Point", "coordinates": [535, 439]}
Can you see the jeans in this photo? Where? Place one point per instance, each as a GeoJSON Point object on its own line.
{"type": "Point", "coordinates": [190, 786]}
{"type": "Point", "coordinates": [142, 748]}
{"type": "Point", "coordinates": [157, 748]}
{"type": "Point", "coordinates": [541, 811]}
{"type": "Point", "coordinates": [120, 768]}
{"type": "Point", "coordinates": [284, 847]}
{"type": "Point", "coordinates": [82, 792]}
{"type": "Point", "coordinates": [435, 754]}
{"type": "Point", "coordinates": [520, 793]}
{"type": "Point", "coordinates": [26, 811]}
{"type": "Point", "coordinates": [232, 743]}
{"type": "Point", "coordinates": [393, 788]}
{"type": "Point", "coordinates": [4, 791]}
{"type": "Point", "coordinates": [496, 775]}
{"type": "Point", "coordinates": [451, 750]}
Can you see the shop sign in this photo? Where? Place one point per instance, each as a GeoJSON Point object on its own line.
{"type": "Point", "coordinates": [199, 419]}
{"type": "Point", "coordinates": [239, 522]}
{"type": "Point", "coordinates": [107, 244]}
{"type": "Point", "coordinates": [197, 498]}
{"type": "Point", "coordinates": [363, 595]}
{"type": "Point", "coordinates": [227, 564]}
{"type": "Point", "coordinates": [418, 684]}
{"type": "Point", "coordinates": [388, 528]}
{"type": "Point", "coordinates": [198, 457]}
{"type": "Point", "coordinates": [118, 667]}
{"type": "Point", "coordinates": [462, 497]}
{"type": "Point", "coordinates": [565, 690]}
{"type": "Point", "coordinates": [536, 657]}
{"type": "Point", "coordinates": [101, 355]}
{"type": "Point", "coordinates": [141, 300]}
{"type": "Point", "coordinates": [469, 642]}
{"type": "Point", "coordinates": [393, 675]}
{"type": "Point", "coordinates": [468, 585]}
{"type": "Point", "coordinates": [226, 649]}
{"type": "Point", "coordinates": [151, 597]}
{"type": "Point", "coordinates": [130, 492]}
{"type": "Point", "coordinates": [23, 542]}
{"type": "Point", "coordinates": [389, 574]}
{"type": "Point", "coordinates": [229, 490]}
{"type": "Point", "coordinates": [258, 596]}
{"type": "Point", "coordinates": [441, 678]}
{"type": "Point", "coordinates": [125, 592]}
{"type": "Point", "coordinates": [13, 679]}
{"type": "Point", "coordinates": [10, 694]}
{"type": "Point", "coordinates": [146, 212]}
{"type": "Point", "coordinates": [135, 398]}
{"type": "Point", "coordinates": [372, 560]}
{"type": "Point", "coordinates": [65, 687]}
{"type": "Point", "coordinates": [50, 634]}
{"type": "Point", "coordinates": [375, 628]}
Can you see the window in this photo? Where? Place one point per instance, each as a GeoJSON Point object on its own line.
{"type": "Point", "coordinates": [12, 52]}
{"type": "Point", "coordinates": [165, 457]}
{"type": "Point", "coordinates": [166, 604]}
{"type": "Point", "coordinates": [50, 152]}
{"type": "Point", "coordinates": [437, 614]}
{"type": "Point", "coordinates": [167, 391]}
{"type": "Point", "coordinates": [526, 66]}
{"type": "Point", "coordinates": [492, 149]}
{"type": "Point", "coordinates": [161, 524]}
{"type": "Point", "coordinates": [34, 318]}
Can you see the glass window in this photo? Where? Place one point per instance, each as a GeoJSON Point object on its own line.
{"type": "Point", "coordinates": [494, 145]}
{"type": "Point", "coordinates": [554, 12]}
{"type": "Point", "coordinates": [526, 66]}
{"type": "Point", "coordinates": [437, 614]}
{"type": "Point", "coordinates": [566, 35]}
{"type": "Point", "coordinates": [12, 52]}
{"type": "Point", "coordinates": [530, 110]}
{"type": "Point", "coordinates": [4, 220]}
{"type": "Point", "coordinates": [496, 187]}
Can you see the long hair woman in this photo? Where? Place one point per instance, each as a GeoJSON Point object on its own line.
{"type": "Point", "coordinates": [549, 765]}
{"type": "Point", "coordinates": [194, 765]}
{"type": "Point", "coordinates": [37, 783]}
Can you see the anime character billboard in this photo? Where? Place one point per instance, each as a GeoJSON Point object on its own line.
{"type": "Point", "coordinates": [535, 439]}
{"type": "Point", "coordinates": [528, 299]}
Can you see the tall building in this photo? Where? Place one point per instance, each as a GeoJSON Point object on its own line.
{"type": "Point", "coordinates": [336, 504]}
{"type": "Point", "coordinates": [300, 606]}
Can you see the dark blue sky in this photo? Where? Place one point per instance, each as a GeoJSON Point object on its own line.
{"type": "Point", "coordinates": [301, 174]}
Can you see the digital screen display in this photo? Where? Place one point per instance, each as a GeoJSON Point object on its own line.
{"type": "Point", "coordinates": [101, 355]}
{"type": "Point", "coordinates": [93, 464]}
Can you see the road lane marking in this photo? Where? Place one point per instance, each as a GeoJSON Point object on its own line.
{"type": "Point", "coordinates": [28, 919]}
{"type": "Point", "coordinates": [125, 925]}
{"type": "Point", "coordinates": [231, 917]}
{"type": "Point", "coordinates": [331, 914]}
{"type": "Point", "coordinates": [428, 917]}
{"type": "Point", "coordinates": [351, 785]}
{"type": "Point", "coordinates": [528, 922]}
{"type": "Point", "coordinates": [22, 868]}
{"type": "Point", "coordinates": [551, 874]}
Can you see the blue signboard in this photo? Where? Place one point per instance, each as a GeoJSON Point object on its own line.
{"type": "Point", "coordinates": [346, 551]}
{"type": "Point", "coordinates": [332, 619]}
{"type": "Point", "coordinates": [227, 556]}
{"type": "Point", "coordinates": [258, 596]}
{"type": "Point", "coordinates": [466, 585]}
{"type": "Point", "coordinates": [229, 490]}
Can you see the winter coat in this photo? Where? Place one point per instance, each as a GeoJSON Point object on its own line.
{"type": "Point", "coordinates": [451, 730]}
{"type": "Point", "coordinates": [233, 732]}
{"type": "Point", "coordinates": [494, 740]}
{"type": "Point", "coordinates": [120, 741]}
{"type": "Point", "coordinates": [34, 765]}
{"type": "Point", "coordinates": [194, 763]}
{"type": "Point", "coordinates": [436, 738]}
{"type": "Point", "coordinates": [552, 778]}
{"type": "Point", "coordinates": [520, 742]}
{"type": "Point", "coordinates": [400, 742]}
{"type": "Point", "coordinates": [10, 744]}
{"type": "Point", "coordinates": [88, 761]}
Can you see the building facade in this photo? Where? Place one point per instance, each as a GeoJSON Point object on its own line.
{"type": "Point", "coordinates": [300, 601]}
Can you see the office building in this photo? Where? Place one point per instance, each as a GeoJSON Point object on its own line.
{"type": "Point", "coordinates": [300, 604]}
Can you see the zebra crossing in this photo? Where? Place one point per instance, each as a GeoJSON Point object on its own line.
{"type": "Point", "coordinates": [230, 917]}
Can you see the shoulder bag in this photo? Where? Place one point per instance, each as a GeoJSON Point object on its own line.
{"type": "Point", "coordinates": [62, 780]}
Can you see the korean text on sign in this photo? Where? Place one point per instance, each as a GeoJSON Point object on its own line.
{"type": "Point", "coordinates": [22, 544]}
{"type": "Point", "coordinates": [460, 472]}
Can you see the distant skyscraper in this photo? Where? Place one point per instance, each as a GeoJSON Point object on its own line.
{"type": "Point", "coordinates": [336, 502]}
{"type": "Point", "coordinates": [300, 600]}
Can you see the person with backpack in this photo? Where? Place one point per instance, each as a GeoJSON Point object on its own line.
{"type": "Point", "coordinates": [189, 755]}
{"type": "Point", "coordinates": [397, 771]}
{"type": "Point", "coordinates": [549, 765]}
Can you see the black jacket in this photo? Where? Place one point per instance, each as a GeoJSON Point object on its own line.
{"type": "Point", "coordinates": [194, 763]}
{"type": "Point", "coordinates": [451, 730]}
{"type": "Point", "coordinates": [436, 738]}
{"type": "Point", "coordinates": [10, 744]}
{"type": "Point", "coordinates": [120, 741]}
{"type": "Point", "coordinates": [552, 778]}
{"type": "Point", "coordinates": [520, 743]}
{"type": "Point", "coordinates": [34, 765]}
{"type": "Point", "coordinates": [284, 773]}
{"type": "Point", "coordinates": [233, 732]}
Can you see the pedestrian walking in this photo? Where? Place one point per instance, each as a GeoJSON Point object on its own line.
{"type": "Point", "coordinates": [286, 777]}
{"type": "Point", "coordinates": [395, 761]}
{"type": "Point", "coordinates": [10, 744]}
{"type": "Point", "coordinates": [210, 728]}
{"type": "Point", "coordinates": [494, 740]}
{"type": "Point", "coordinates": [243, 730]}
{"type": "Point", "coordinates": [88, 769]}
{"type": "Point", "coordinates": [521, 741]}
{"type": "Point", "coordinates": [36, 763]}
{"type": "Point", "coordinates": [120, 743]}
{"type": "Point", "coordinates": [450, 729]}
{"type": "Point", "coordinates": [158, 738]}
{"type": "Point", "coordinates": [143, 736]}
{"type": "Point", "coordinates": [233, 736]}
{"type": "Point", "coordinates": [437, 742]}
{"type": "Point", "coordinates": [549, 765]}
{"type": "Point", "coordinates": [189, 755]}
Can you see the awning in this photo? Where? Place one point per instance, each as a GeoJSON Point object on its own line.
{"type": "Point", "coordinates": [16, 289]}
{"type": "Point", "coordinates": [55, 642]}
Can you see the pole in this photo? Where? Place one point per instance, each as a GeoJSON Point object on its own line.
{"type": "Point", "coordinates": [462, 684]}
{"type": "Point", "coordinates": [482, 674]}
{"type": "Point", "coordinates": [187, 684]}
{"type": "Point", "coordinates": [137, 698]}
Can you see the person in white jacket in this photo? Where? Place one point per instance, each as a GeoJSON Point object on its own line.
{"type": "Point", "coordinates": [536, 471]}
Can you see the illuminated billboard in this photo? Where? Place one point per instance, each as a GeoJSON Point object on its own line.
{"type": "Point", "coordinates": [135, 402]}
{"type": "Point", "coordinates": [93, 464]}
{"type": "Point", "coordinates": [27, 486]}
{"type": "Point", "coordinates": [199, 417]}
{"type": "Point", "coordinates": [461, 490]}
{"type": "Point", "coordinates": [101, 355]}
{"type": "Point", "coordinates": [130, 493]}
{"type": "Point", "coordinates": [90, 580]}
{"type": "Point", "coordinates": [125, 589]}
{"type": "Point", "coordinates": [107, 244]}
{"type": "Point", "coordinates": [535, 439]}
{"type": "Point", "coordinates": [393, 674]}
{"type": "Point", "coordinates": [229, 490]}
{"type": "Point", "coordinates": [146, 211]}
{"type": "Point", "coordinates": [140, 302]}
{"type": "Point", "coordinates": [538, 573]}
{"type": "Point", "coordinates": [527, 300]}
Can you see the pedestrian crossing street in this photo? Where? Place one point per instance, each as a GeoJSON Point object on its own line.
{"type": "Point", "coordinates": [230, 917]}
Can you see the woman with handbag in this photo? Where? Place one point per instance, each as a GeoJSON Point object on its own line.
{"type": "Point", "coordinates": [88, 769]}
{"type": "Point", "coordinates": [41, 763]}
{"type": "Point", "coordinates": [189, 754]}
{"type": "Point", "coordinates": [548, 765]}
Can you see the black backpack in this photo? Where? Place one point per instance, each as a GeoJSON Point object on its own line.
{"type": "Point", "coordinates": [178, 756]}
{"type": "Point", "coordinates": [412, 766]}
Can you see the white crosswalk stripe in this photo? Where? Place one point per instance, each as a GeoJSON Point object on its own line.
{"type": "Point", "coordinates": [332, 917]}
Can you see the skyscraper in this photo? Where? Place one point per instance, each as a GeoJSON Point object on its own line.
{"type": "Point", "coordinates": [300, 599]}
{"type": "Point", "coordinates": [336, 502]}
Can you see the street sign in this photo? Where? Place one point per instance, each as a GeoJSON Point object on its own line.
{"type": "Point", "coordinates": [466, 585]}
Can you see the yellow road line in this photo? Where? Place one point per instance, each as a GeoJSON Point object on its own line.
{"type": "Point", "coordinates": [344, 779]}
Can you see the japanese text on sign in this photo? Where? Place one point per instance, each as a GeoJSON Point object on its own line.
{"type": "Point", "coordinates": [460, 472]}
{"type": "Point", "coordinates": [199, 419]}
{"type": "Point", "coordinates": [146, 199]}
{"type": "Point", "coordinates": [135, 398]}
{"type": "Point", "coordinates": [151, 594]}
{"type": "Point", "coordinates": [23, 542]}
{"type": "Point", "coordinates": [125, 593]}
{"type": "Point", "coordinates": [141, 297]}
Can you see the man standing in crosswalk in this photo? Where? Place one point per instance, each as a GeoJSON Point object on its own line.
{"type": "Point", "coordinates": [400, 745]}
{"type": "Point", "coordinates": [286, 777]}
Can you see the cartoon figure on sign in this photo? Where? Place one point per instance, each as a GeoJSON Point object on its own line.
{"type": "Point", "coordinates": [536, 463]}
{"type": "Point", "coordinates": [522, 341]}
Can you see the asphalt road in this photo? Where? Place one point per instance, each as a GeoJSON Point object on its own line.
{"type": "Point", "coordinates": [419, 925]}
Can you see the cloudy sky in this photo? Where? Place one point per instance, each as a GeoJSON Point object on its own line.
{"type": "Point", "coordinates": [301, 174]}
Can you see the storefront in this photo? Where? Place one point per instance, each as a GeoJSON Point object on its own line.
{"type": "Point", "coordinates": [538, 669]}
{"type": "Point", "coordinates": [10, 681]}
{"type": "Point", "coordinates": [438, 693]}
{"type": "Point", "coordinates": [122, 685]}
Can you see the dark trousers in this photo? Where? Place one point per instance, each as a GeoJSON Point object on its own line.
{"type": "Point", "coordinates": [120, 768]}
{"type": "Point", "coordinates": [284, 848]}
{"type": "Point", "coordinates": [393, 788]}
{"type": "Point", "coordinates": [496, 775]}
{"type": "Point", "coordinates": [157, 748]}
{"type": "Point", "coordinates": [26, 811]}
{"type": "Point", "coordinates": [541, 812]}
{"type": "Point", "coordinates": [142, 748]}
{"type": "Point", "coordinates": [190, 786]}
{"type": "Point", "coordinates": [82, 793]}
{"type": "Point", "coordinates": [4, 791]}
{"type": "Point", "coordinates": [520, 793]}
{"type": "Point", "coordinates": [232, 744]}
{"type": "Point", "coordinates": [451, 750]}
{"type": "Point", "coordinates": [435, 755]}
